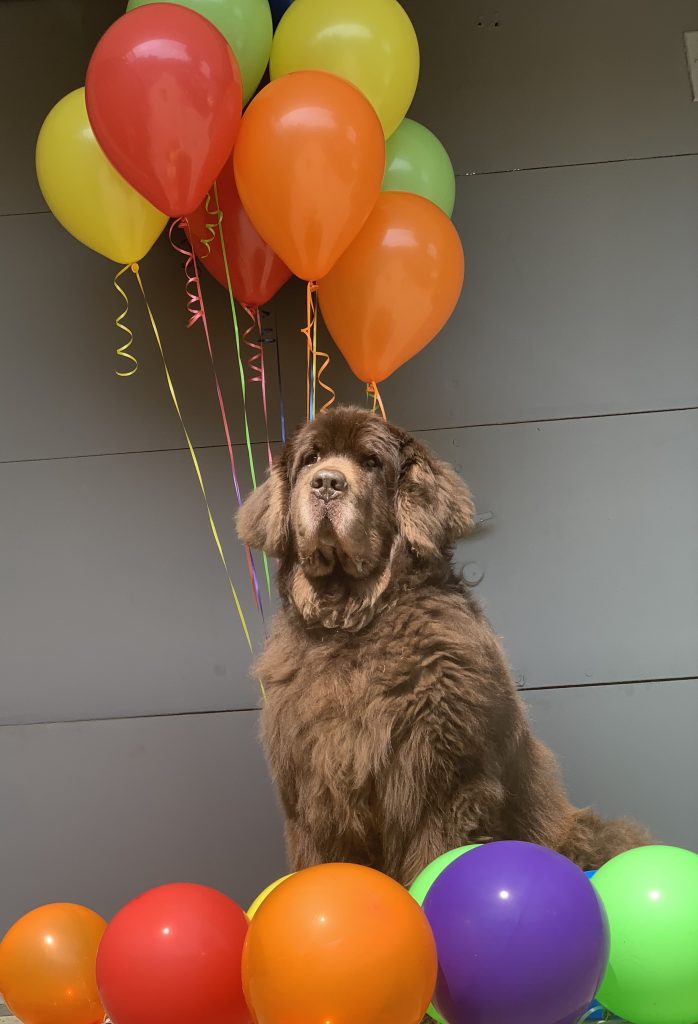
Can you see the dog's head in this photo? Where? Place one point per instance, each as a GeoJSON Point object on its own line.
{"type": "Point", "coordinates": [347, 496]}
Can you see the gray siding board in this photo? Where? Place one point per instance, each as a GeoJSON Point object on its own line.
{"type": "Point", "coordinates": [97, 812]}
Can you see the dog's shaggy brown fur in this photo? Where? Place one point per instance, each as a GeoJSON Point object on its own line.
{"type": "Point", "coordinates": [392, 727]}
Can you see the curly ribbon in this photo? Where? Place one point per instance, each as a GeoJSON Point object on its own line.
{"type": "Point", "coordinates": [123, 350]}
{"type": "Point", "coordinates": [219, 216]}
{"type": "Point", "coordinates": [256, 367]}
{"type": "Point", "coordinates": [269, 337]}
{"type": "Point", "coordinates": [372, 390]}
{"type": "Point", "coordinates": [197, 468]}
{"type": "Point", "coordinates": [210, 226]}
{"type": "Point", "coordinates": [313, 373]}
{"type": "Point", "coordinates": [197, 311]}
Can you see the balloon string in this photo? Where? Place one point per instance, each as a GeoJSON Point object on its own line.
{"type": "Point", "coordinates": [210, 227]}
{"type": "Point", "coordinates": [308, 332]}
{"type": "Point", "coordinates": [256, 366]}
{"type": "Point", "coordinates": [372, 389]}
{"type": "Point", "coordinates": [269, 337]}
{"type": "Point", "coordinates": [123, 350]}
{"type": "Point", "coordinates": [197, 311]}
{"type": "Point", "coordinates": [318, 376]}
{"type": "Point", "coordinates": [195, 461]}
{"type": "Point", "coordinates": [219, 215]}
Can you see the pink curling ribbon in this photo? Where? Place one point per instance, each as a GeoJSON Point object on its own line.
{"type": "Point", "coordinates": [255, 364]}
{"type": "Point", "coordinates": [197, 311]}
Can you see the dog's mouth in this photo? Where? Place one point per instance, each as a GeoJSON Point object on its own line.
{"type": "Point", "coordinates": [327, 545]}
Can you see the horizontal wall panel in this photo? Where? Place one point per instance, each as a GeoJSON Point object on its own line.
{"type": "Point", "coordinates": [114, 602]}
{"type": "Point", "coordinates": [579, 299]}
{"type": "Point", "coordinates": [571, 307]}
{"type": "Point", "coordinates": [45, 46]}
{"type": "Point", "coordinates": [552, 82]}
{"type": "Point", "coordinates": [59, 393]}
{"type": "Point", "coordinates": [508, 84]}
{"type": "Point", "coordinates": [113, 599]}
{"type": "Point", "coordinates": [591, 562]}
{"type": "Point", "coordinates": [628, 750]}
{"type": "Point", "coordinates": [96, 813]}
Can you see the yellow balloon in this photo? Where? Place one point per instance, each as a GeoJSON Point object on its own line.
{"type": "Point", "coordinates": [369, 42]}
{"type": "Point", "coordinates": [85, 193]}
{"type": "Point", "coordinates": [254, 907]}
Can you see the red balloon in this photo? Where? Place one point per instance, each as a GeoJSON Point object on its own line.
{"type": "Point", "coordinates": [174, 954]}
{"type": "Point", "coordinates": [256, 272]}
{"type": "Point", "coordinates": [164, 98]}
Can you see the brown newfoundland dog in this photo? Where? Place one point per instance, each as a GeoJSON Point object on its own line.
{"type": "Point", "coordinates": [392, 727]}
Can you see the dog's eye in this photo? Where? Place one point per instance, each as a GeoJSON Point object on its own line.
{"type": "Point", "coordinates": [310, 458]}
{"type": "Point", "coordinates": [372, 462]}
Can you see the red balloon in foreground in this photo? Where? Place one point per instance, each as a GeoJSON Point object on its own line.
{"type": "Point", "coordinates": [164, 98]}
{"type": "Point", "coordinates": [173, 955]}
{"type": "Point", "coordinates": [256, 272]}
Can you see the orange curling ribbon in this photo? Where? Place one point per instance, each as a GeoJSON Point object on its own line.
{"type": "Point", "coordinates": [195, 462]}
{"type": "Point", "coordinates": [313, 372]}
{"type": "Point", "coordinates": [310, 314]}
{"type": "Point", "coordinates": [372, 389]}
{"type": "Point", "coordinates": [123, 350]}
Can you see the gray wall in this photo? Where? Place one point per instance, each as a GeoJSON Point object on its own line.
{"type": "Point", "coordinates": [565, 388]}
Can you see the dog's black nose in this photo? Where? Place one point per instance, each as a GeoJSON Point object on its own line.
{"type": "Point", "coordinates": [329, 483]}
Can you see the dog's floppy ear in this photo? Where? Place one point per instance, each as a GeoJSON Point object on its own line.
{"type": "Point", "coordinates": [262, 520]}
{"type": "Point", "coordinates": [434, 506]}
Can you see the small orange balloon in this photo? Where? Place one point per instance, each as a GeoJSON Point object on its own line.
{"type": "Point", "coordinates": [309, 162]}
{"type": "Point", "coordinates": [47, 966]}
{"type": "Point", "coordinates": [339, 944]}
{"type": "Point", "coordinates": [395, 286]}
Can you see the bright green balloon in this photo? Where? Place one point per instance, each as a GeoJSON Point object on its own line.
{"type": "Point", "coordinates": [423, 883]}
{"type": "Point", "coordinates": [651, 900]}
{"type": "Point", "coordinates": [415, 161]}
{"type": "Point", "coordinates": [246, 24]}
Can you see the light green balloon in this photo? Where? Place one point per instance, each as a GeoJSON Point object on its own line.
{"type": "Point", "coordinates": [415, 161]}
{"type": "Point", "coordinates": [651, 899]}
{"type": "Point", "coordinates": [246, 24]}
{"type": "Point", "coordinates": [423, 883]}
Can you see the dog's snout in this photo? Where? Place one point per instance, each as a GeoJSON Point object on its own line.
{"type": "Point", "coordinates": [329, 483]}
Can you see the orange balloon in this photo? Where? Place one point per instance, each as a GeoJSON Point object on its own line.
{"type": "Point", "coordinates": [309, 161]}
{"type": "Point", "coordinates": [339, 944]}
{"type": "Point", "coordinates": [395, 287]}
{"type": "Point", "coordinates": [47, 966]}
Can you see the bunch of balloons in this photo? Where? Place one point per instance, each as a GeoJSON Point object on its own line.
{"type": "Point", "coordinates": [322, 176]}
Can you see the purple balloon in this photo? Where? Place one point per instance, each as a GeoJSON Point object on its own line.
{"type": "Point", "coordinates": [520, 934]}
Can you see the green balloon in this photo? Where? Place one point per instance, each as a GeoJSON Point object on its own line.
{"type": "Point", "coordinates": [415, 161]}
{"type": "Point", "coordinates": [424, 881]}
{"type": "Point", "coordinates": [651, 899]}
{"type": "Point", "coordinates": [246, 24]}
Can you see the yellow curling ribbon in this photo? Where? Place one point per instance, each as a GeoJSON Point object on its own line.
{"type": "Point", "coordinates": [210, 238]}
{"type": "Point", "coordinates": [123, 350]}
{"type": "Point", "coordinates": [197, 468]}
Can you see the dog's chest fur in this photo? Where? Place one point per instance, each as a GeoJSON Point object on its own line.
{"type": "Point", "coordinates": [346, 713]}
